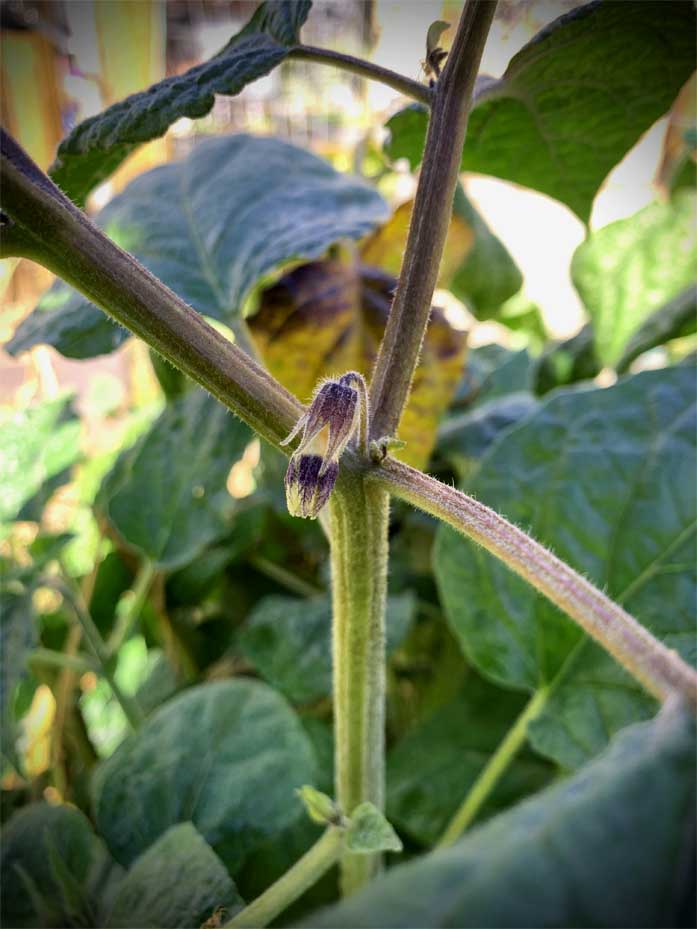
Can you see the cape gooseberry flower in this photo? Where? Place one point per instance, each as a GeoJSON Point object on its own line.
{"type": "Point", "coordinates": [310, 478]}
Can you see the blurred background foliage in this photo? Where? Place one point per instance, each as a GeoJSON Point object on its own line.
{"type": "Point", "coordinates": [131, 495]}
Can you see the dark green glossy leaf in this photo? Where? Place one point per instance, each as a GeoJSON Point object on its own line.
{"type": "Point", "coordinates": [676, 319]}
{"type": "Point", "coordinates": [211, 226]}
{"type": "Point", "coordinates": [430, 771]}
{"type": "Point", "coordinates": [606, 479]}
{"type": "Point", "coordinates": [227, 756]}
{"type": "Point", "coordinates": [572, 101]}
{"type": "Point", "coordinates": [32, 891]}
{"type": "Point", "coordinates": [464, 439]}
{"type": "Point", "coordinates": [97, 146]}
{"type": "Point", "coordinates": [177, 883]}
{"type": "Point", "coordinates": [166, 496]}
{"type": "Point", "coordinates": [488, 276]}
{"type": "Point", "coordinates": [36, 444]}
{"type": "Point", "coordinates": [289, 641]}
{"type": "Point", "coordinates": [611, 847]}
{"type": "Point", "coordinates": [626, 271]}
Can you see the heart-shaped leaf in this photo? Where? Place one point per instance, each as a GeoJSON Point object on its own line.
{"type": "Point", "coordinates": [210, 227]}
{"type": "Point", "coordinates": [573, 100]}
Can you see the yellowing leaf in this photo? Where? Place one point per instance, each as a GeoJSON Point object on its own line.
{"type": "Point", "coordinates": [384, 248]}
{"type": "Point", "coordinates": [325, 318]}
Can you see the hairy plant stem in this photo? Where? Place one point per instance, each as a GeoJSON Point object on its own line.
{"type": "Point", "coordinates": [659, 669]}
{"type": "Point", "coordinates": [286, 890]}
{"type": "Point", "coordinates": [495, 767]}
{"type": "Point", "coordinates": [404, 85]}
{"type": "Point", "coordinates": [359, 516]}
{"type": "Point", "coordinates": [41, 223]}
{"type": "Point", "coordinates": [433, 204]}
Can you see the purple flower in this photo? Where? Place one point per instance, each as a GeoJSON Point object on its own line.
{"type": "Point", "coordinates": [309, 481]}
{"type": "Point", "coordinates": [335, 407]}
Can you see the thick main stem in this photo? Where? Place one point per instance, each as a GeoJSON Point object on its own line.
{"type": "Point", "coordinates": [433, 204]}
{"type": "Point", "coordinates": [659, 669]}
{"type": "Point", "coordinates": [359, 516]}
{"type": "Point", "coordinates": [42, 224]}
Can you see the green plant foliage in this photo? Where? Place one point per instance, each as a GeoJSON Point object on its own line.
{"type": "Point", "coordinates": [168, 505]}
{"type": "Point", "coordinates": [36, 444]}
{"type": "Point", "coordinates": [576, 855]}
{"type": "Point", "coordinates": [227, 756]}
{"type": "Point", "coordinates": [34, 888]}
{"type": "Point", "coordinates": [97, 146]}
{"type": "Point", "coordinates": [289, 641]}
{"type": "Point", "coordinates": [176, 222]}
{"type": "Point", "coordinates": [605, 478]}
{"type": "Point", "coordinates": [177, 883]}
{"type": "Point", "coordinates": [488, 276]}
{"type": "Point", "coordinates": [626, 271]}
{"type": "Point", "coordinates": [18, 635]}
{"type": "Point", "coordinates": [675, 319]}
{"type": "Point", "coordinates": [430, 771]}
{"type": "Point", "coordinates": [619, 64]}
{"type": "Point", "coordinates": [369, 832]}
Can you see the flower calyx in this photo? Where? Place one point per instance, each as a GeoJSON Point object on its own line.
{"type": "Point", "coordinates": [338, 406]}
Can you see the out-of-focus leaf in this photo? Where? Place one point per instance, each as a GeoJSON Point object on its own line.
{"type": "Point", "coordinates": [569, 361]}
{"type": "Point", "coordinates": [430, 771]}
{"type": "Point", "coordinates": [610, 847]}
{"type": "Point", "coordinates": [629, 269]}
{"type": "Point", "coordinates": [488, 276]}
{"type": "Point", "coordinates": [384, 248]}
{"type": "Point", "coordinates": [36, 444]}
{"type": "Point", "coordinates": [177, 883]}
{"type": "Point", "coordinates": [493, 372]}
{"type": "Point", "coordinates": [678, 165]}
{"type": "Point", "coordinates": [289, 641]}
{"type": "Point", "coordinates": [676, 319]}
{"type": "Point", "coordinates": [210, 227]}
{"type": "Point", "coordinates": [621, 66]}
{"type": "Point", "coordinates": [97, 146]}
{"type": "Point", "coordinates": [18, 635]}
{"type": "Point", "coordinates": [226, 756]}
{"type": "Point", "coordinates": [166, 496]}
{"type": "Point", "coordinates": [32, 892]}
{"type": "Point", "coordinates": [605, 477]}
{"type": "Point", "coordinates": [464, 439]}
{"type": "Point", "coordinates": [327, 318]}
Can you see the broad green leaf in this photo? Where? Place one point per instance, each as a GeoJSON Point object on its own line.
{"type": "Point", "coordinates": [493, 372]}
{"type": "Point", "coordinates": [488, 276]}
{"type": "Point", "coordinates": [464, 438]}
{"type": "Point", "coordinates": [676, 319]}
{"type": "Point", "coordinates": [289, 642]}
{"type": "Point", "coordinates": [568, 361]}
{"type": "Point", "coordinates": [327, 318]}
{"type": "Point", "coordinates": [32, 894]}
{"type": "Point", "coordinates": [210, 227]}
{"type": "Point", "coordinates": [605, 477]}
{"type": "Point", "coordinates": [626, 271]}
{"type": "Point", "coordinates": [226, 756]}
{"type": "Point", "coordinates": [609, 847]}
{"type": "Point", "coordinates": [97, 146]}
{"type": "Point", "coordinates": [369, 832]}
{"type": "Point", "coordinates": [178, 882]}
{"type": "Point", "coordinates": [166, 496]}
{"type": "Point", "coordinates": [36, 444]}
{"type": "Point", "coordinates": [573, 101]}
{"type": "Point", "coordinates": [430, 771]}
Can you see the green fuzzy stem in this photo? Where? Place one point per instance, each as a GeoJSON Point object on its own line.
{"type": "Point", "coordinates": [359, 516]}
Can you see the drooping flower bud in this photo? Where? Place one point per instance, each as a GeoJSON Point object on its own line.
{"type": "Point", "coordinates": [335, 406]}
{"type": "Point", "coordinates": [309, 481]}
